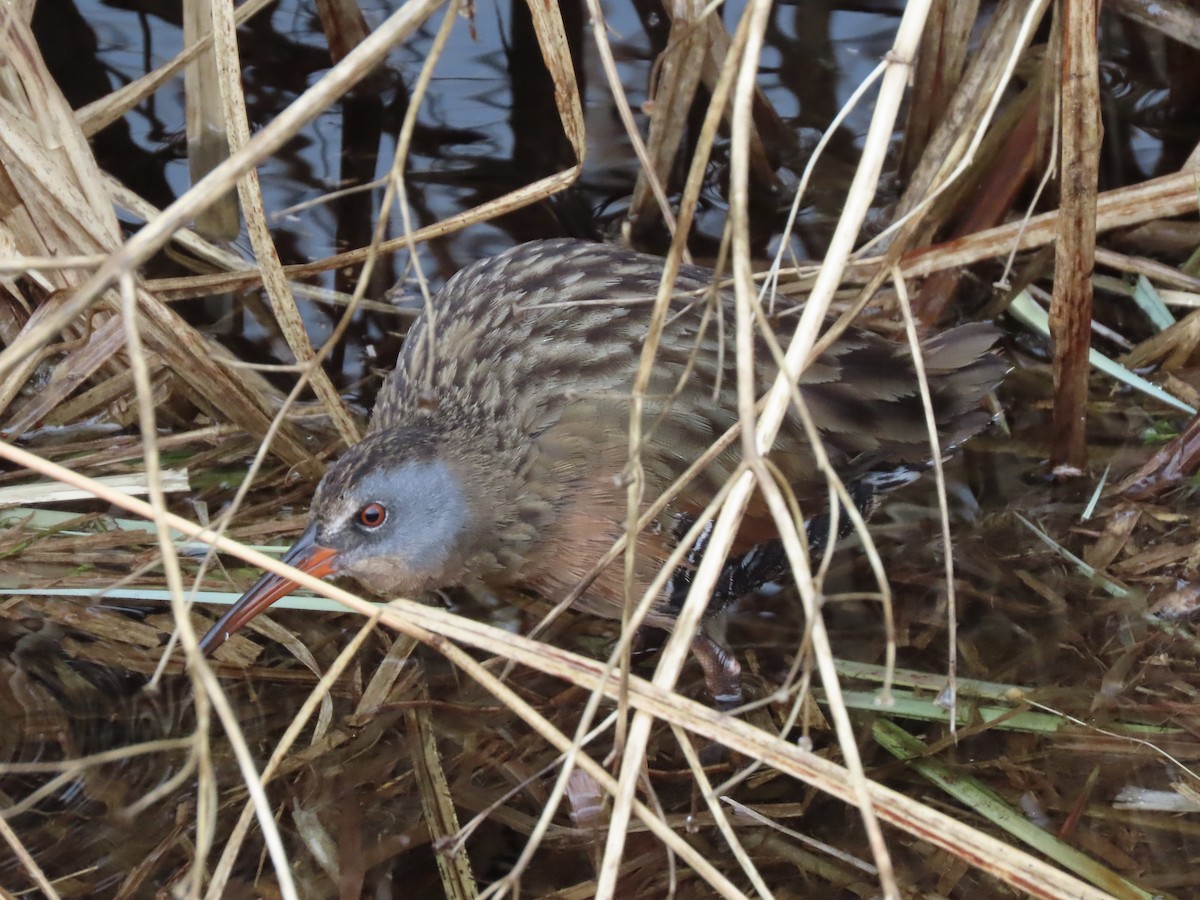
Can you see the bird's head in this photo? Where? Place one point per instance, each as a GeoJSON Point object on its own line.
{"type": "Point", "coordinates": [402, 512]}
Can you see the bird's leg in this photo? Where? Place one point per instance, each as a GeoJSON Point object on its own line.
{"type": "Point", "coordinates": [722, 673]}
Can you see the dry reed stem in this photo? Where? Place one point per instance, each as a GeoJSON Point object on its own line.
{"type": "Point", "coordinates": [571, 101]}
{"type": "Point", "coordinates": [58, 189]}
{"type": "Point", "coordinates": [311, 367]}
{"type": "Point", "coordinates": [97, 116]}
{"type": "Point", "coordinates": [455, 867]}
{"type": "Point", "coordinates": [1156, 198]}
{"type": "Point", "coordinates": [556, 55]}
{"type": "Point", "coordinates": [679, 68]}
{"type": "Point", "coordinates": [1175, 343]}
{"type": "Point", "coordinates": [82, 358]}
{"type": "Point", "coordinates": [678, 253]}
{"type": "Point", "coordinates": [1075, 249]}
{"type": "Point", "coordinates": [1158, 272]}
{"type": "Point", "coordinates": [1006, 160]}
{"type": "Point", "coordinates": [397, 188]}
{"type": "Point", "coordinates": [618, 826]}
{"type": "Point", "coordinates": [30, 864]}
{"type": "Point", "coordinates": [207, 787]}
{"type": "Point", "coordinates": [313, 364]}
{"type": "Point", "coordinates": [1163, 197]}
{"type": "Point", "coordinates": [939, 67]}
{"type": "Point", "coordinates": [207, 123]}
{"type": "Point", "coordinates": [725, 525]}
{"type": "Point", "coordinates": [131, 296]}
{"type": "Point", "coordinates": [854, 212]}
{"type": "Point", "coordinates": [97, 759]}
{"type": "Point", "coordinates": [961, 129]}
{"type": "Point", "coordinates": [189, 287]}
{"type": "Point", "coordinates": [171, 481]}
{"type": "Point", "coordinates": [632, 618]}
{"type": "Point", "coordinates": [720, 820]}
{"type": "Point", "coordinates": [771, 282]}
{"type": "Point", "coordinates": [1173, 18]}
{"type": "Point", "coordinates": [837, 488]}
{"type": "Point", "coordinates": [953, 150]}
{"type": "Point", "coordinates": [265, 142]}
{"type": "Point", "coordinates": [1010, 864]}
{"type": "Point", "coordinates": [769, 126]}
{"type": "Point", "coordinates": [787, 514]}
{"type": "Point", "coordinates": [206, 690]}
{"type": "Point", "coordinates": [319, 694]}
{"type": "Point", "coordinates": [283, 304]}
{"type": "Point", "coordinates": [866, 178]}
{"type": "Point", "coordinates": [343, 24]}
{"type": "Point", "coordinates": [679, 643]}
{"type": "Point", "coordinates": [914, 343]}
{"type": "Point", "coordinates": [617, 92]}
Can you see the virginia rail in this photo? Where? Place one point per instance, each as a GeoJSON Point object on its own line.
{"type": "Point", "coordinates": [497, 447]}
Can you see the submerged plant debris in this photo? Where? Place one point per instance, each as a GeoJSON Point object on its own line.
{"type": "Point", "coordinates": [1060, 760]}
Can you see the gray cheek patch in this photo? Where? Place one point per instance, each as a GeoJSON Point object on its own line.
{"type": "Point", "coordinates": [426, 510]}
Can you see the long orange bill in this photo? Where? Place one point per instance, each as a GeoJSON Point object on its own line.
{"type": "Point", "coordinates": [306, 555]}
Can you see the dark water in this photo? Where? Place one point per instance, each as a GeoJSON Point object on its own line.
{"type": "Point", "coordinates": [487, 127]}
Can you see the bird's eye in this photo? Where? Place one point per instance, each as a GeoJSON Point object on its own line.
{"type": "Point", "coordinates": [372, 515]}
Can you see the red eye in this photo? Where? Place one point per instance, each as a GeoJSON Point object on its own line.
{"type": "Point", "coordinates": [372, 515]}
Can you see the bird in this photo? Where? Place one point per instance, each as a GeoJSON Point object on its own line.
{"type": "Point", "coordinates": [498, 453]}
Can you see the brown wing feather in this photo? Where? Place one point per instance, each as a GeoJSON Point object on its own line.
{"type": "Point", "coordinates": [541, 345]}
